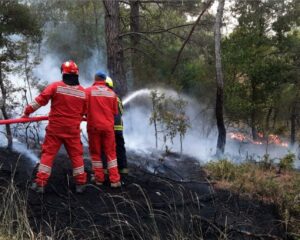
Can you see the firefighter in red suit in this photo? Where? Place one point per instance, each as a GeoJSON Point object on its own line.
{"type": "Point", "coordinates": [102, 108]}
{"type": "Point", "coordinates": [68, 105]}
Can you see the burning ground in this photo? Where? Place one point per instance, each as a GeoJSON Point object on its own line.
{"type": "Point", "coordinates": [165, 197]}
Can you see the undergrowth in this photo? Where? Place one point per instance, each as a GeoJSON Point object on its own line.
{"type": "Point", "coordinates": [140, 220]}
{"type": "Point", "coordinates": [277, 184]}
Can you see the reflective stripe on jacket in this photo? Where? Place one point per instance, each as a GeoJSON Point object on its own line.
{"type": "Point", "coordinates": [68, 105]}
{"type": "Point", "coordinates": [118, 118]}
{"type": "Point", "coordinates": [102, 107]}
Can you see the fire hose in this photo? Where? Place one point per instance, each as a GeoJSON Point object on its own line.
{"type": "Point", "coordinates": [25, 120]}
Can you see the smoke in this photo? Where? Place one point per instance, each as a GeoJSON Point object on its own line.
{"type": "Point", "coordinates": [200, 139]}
{"type": "Point", "coordinates": [3, 140]}
{"type": "Point", "coordinates": [18, 146]}
{"type": "Point", "coordinates": [48, 69]}
{"type": "Point", "coordinates": [90, 66]}
{"type": "Point", "coordinates": [21, 148]}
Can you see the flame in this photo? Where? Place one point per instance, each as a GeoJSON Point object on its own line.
{"type": "Point", "coordinates": [272, 139]}
{"type": "Point", "coordinates": [275, 139]}
{"type": "Point", "coordinates": [238, 136]}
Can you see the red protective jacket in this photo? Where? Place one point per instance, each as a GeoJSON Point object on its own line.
{"type": "Point", "coordinates": [68, 105]}
{"type": "Point", "coordinates": [102, 107]}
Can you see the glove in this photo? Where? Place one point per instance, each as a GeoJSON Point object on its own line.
{"type": "Point", "coordinates": [28, 110]}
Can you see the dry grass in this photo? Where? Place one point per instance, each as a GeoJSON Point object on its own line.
{"type": "Point", "coordinates": [15, 225]}
{"type": "Point", "coordinates": [263, 183]}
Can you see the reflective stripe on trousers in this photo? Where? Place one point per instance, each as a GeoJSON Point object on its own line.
{"type": "Point", "coordinates": [112, 164]}
{"type": "Point", "coordinates": [45, 169]}
{"type": "Point", "coordinates": [97, 164]}
{"type": "Point", "coordinates": [77, 171]}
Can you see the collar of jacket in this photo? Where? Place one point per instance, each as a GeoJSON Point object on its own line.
{"type": "Point", "coordinates": [99, 83]}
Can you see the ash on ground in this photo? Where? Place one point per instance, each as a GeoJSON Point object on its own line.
{"type": "Point", "coordinates": [164, 196]}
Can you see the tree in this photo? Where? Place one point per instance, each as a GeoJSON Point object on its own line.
{"type": "Point", "coordinates": [135, 37]}
{"type": "Point", "coordinates": [220, 81]}
{"type": "Point", "coordinates": [16, 19]}
{"type": "Point", "coordinates": [157, 100]}
{"type": "Point", "coordinates": [260, 63]}
{"type": "Point", "coordinates": [115, 57]}
{"type": "Point", "coordinates": [73, 30]}
{"type": "Point", "coordinates": [169, 118]}
{"type": "Point", "coordinates": [163, 28]}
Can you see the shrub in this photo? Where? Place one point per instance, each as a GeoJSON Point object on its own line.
{"type": "Point", "coordinates": [287, 162]}
{"type": "Point", "coordinates": [222, 170]}
{"type": "Point", "coordinates": [266, 162]}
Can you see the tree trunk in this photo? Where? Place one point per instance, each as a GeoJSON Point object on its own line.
{"type": "Point", "coordinates": [267, 124]}
{"type": "Point", "coordinates": [220, 82]}
{"type": "Point", "coordinates": [115, 57]}
{"type": "Point", "coordinates": [27, 77]}
{"type": "Point", "coordinates": [253, 125]}
{"type": "Point", "coordinates": [293, 125]}
{"type": "Point", "coordinates": [253, 111]}
{"type": "Point", "coordinates": [134, 21]}
{"type": "Point", "coordinates": [4, 112]}
{"type": "Point", "coordinates": [135, 38]}
{"type": "Point", "coordinates": [96, 25]}
{"type": "Point", "coordinates": [274, 118]}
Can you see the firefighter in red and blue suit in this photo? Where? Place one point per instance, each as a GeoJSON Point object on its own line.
{"type": "Point", "coordinates": [102, 109]}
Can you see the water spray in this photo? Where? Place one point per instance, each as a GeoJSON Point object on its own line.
{"type": "Point", "coordinates": [135, 94]}
{"type": "Point", "coordinates": [147, 92]}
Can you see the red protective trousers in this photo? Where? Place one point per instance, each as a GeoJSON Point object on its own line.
{"type": "Point", "coordinates": [50, 148]}
{"type": "Point", "coordinates": [103, 141]}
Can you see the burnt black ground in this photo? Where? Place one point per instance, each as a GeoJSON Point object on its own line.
{"type": "Point", "coordinates": [164, 196]}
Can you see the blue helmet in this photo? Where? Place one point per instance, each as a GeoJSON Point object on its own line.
{"type": "Point", "coordinates": [101, 74]}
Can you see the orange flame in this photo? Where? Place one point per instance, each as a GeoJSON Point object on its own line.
{"type": "Point", "coordinates": [272, 139]}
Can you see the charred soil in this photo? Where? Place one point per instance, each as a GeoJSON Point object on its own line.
{"type": "Point", "coordinates": [164, 197]}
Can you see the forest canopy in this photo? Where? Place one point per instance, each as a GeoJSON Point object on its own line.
{"type": "Point", "coordinates": [167, 43]}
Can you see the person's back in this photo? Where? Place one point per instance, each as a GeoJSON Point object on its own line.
{"type": "Point", "coordinates": [102, 108]}
{"type": "Point", "coordinates": [68, 105]}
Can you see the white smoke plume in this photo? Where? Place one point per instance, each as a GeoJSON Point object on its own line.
{"type": "Point", "coordinates": [200, 140]}
{"type": "Point", "coordinates": [49, 69]}
{"type": "Point", "coordinates": [21, 148]}
{"type": "Point", "coordinates": [139, 134]}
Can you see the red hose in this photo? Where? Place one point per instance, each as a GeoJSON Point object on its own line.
{"type": "Point", "coordinates": [23, 120]}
